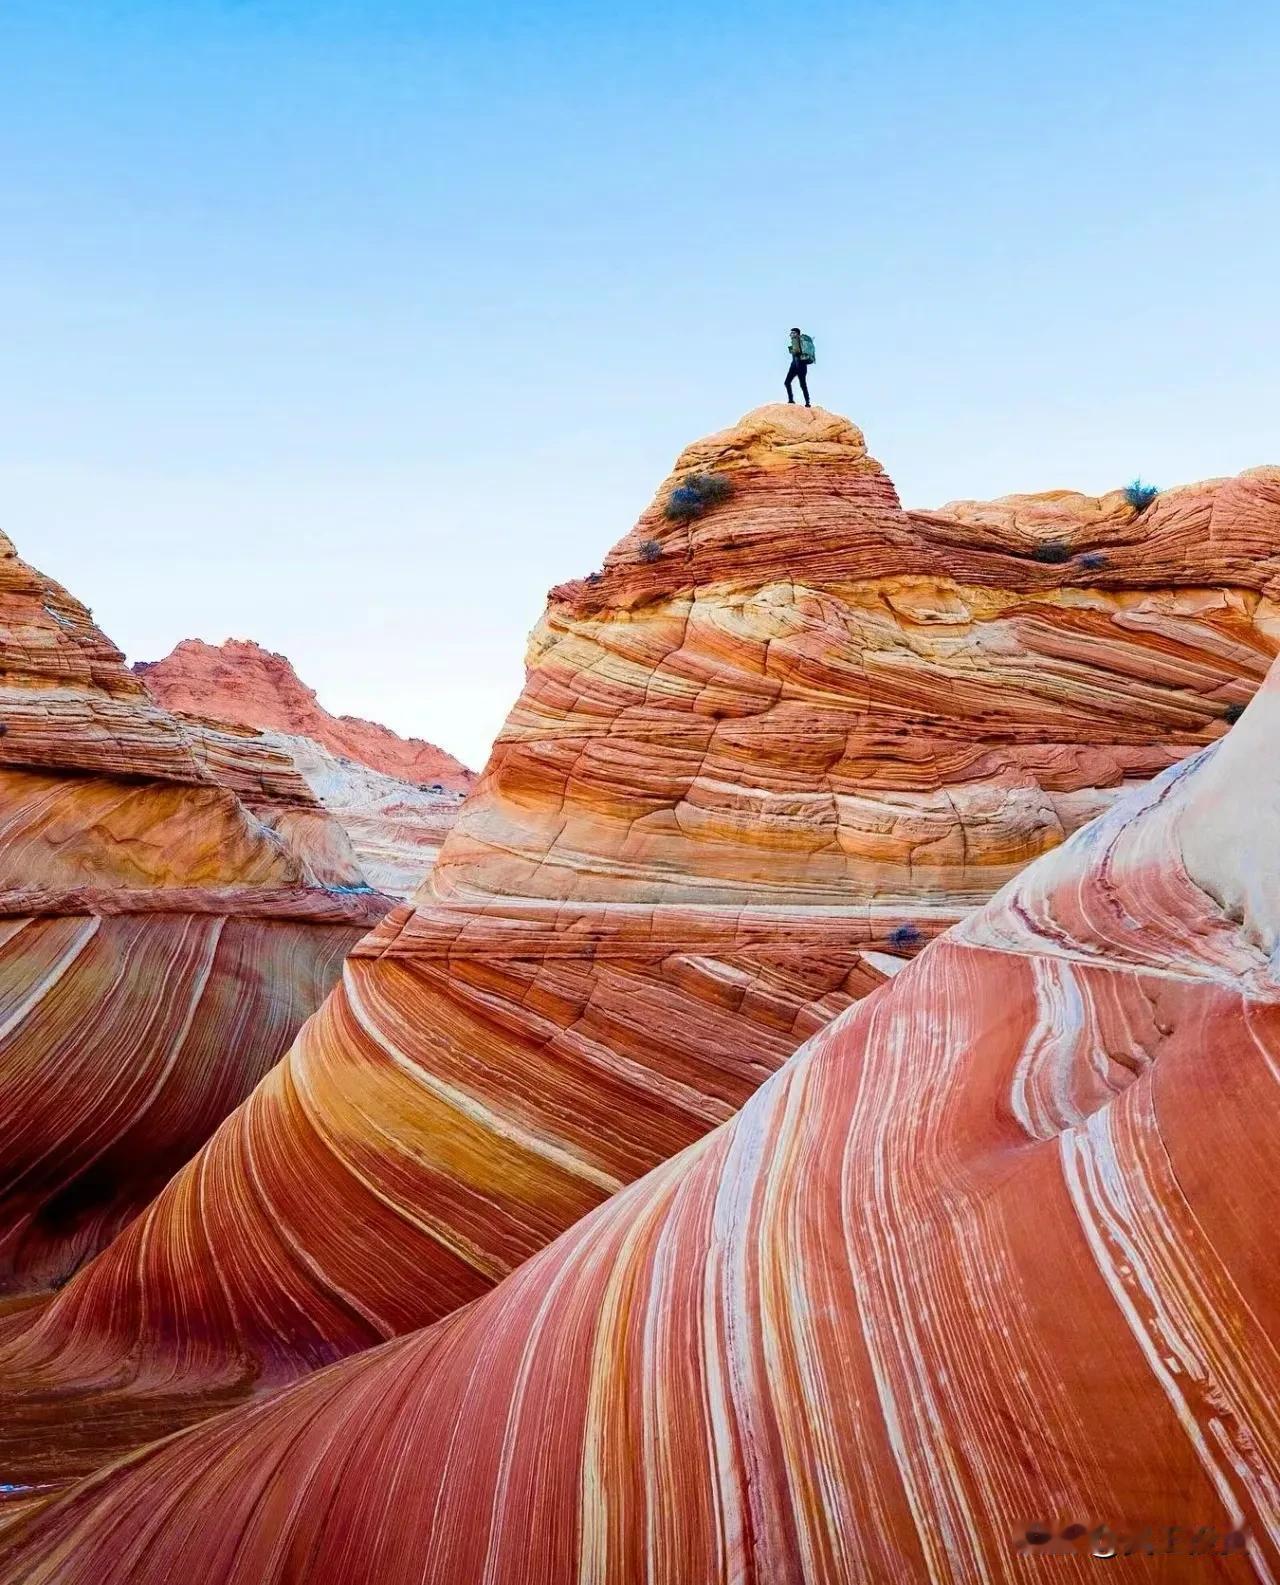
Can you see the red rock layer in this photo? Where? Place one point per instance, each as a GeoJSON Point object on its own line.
{"type": "Point", "coordinates": [718, 814]}
{"type": "Point", "coordinates": [242, 683]}
{"type": "Point", "coordinates": [985, 1270]}
{"type": "Point", "coordinates": [482, 1079]}
{"type": "Point", "coordinates": [160, 942]}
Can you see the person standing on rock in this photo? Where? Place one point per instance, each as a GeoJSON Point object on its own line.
{"type": "Point", "coordinates": [801, 349]}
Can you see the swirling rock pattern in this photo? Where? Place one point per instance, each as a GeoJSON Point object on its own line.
{"type": "Point", "coordinates": [160, 941]}
{"type": "Point", "coordinates": [124, 1042]}
{"type": "Point", "coordinates": [748, 777]}
{"type": "Point", "coordinates": [992, 1256]}
{"type": "Point", "coordinates": [482, 1078]}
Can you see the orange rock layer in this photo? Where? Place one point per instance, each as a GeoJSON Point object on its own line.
{"type": "Point", "coordinates": [747, 779]}
{"type": "Point", "coordinates": [986, 1270]}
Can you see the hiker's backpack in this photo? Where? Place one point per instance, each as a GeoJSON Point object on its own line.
{"type": "Point", "coordinates": [806, 350]}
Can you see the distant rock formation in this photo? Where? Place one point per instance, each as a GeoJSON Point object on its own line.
{"type": "Point", "coordinates": [760, 760]}
{"type": "Point", "coordinates": [389, 831]}
{"type": "Point", "coordinates": [240, 682]}
{"type": "Point", "coordinates": [395, 818]}
{"type": "Point", "coordinates": [171, 909]}
{"type": "Point", "coordinates": [985, 1273]}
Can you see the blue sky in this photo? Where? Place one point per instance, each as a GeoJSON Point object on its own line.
{"type": "Point", "coordinates": [353, 327]}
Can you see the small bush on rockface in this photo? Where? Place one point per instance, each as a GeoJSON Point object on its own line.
{"type": "Point", "coordinates": [1139, 495]}
{"type": "Point", "coordinates": [712, 487]}
{"type": "Point", "coordinates": [682, 504]}
{"type": "Point", "coordinates": [594, 577]}
{"type": "Point", "coordinates": [1232, 713]}
{"type": "Point", "coordinates": [650, 550]}
{"type": "Point", "coordinates": [1093, 561]}
{"type": "Point", "coordinates": [905, 936]}
{"type": "Point", "coordinates": [695, 494]}
{"type": "Point", "coordinates": [1052, 551]}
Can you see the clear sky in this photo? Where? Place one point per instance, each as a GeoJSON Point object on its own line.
{"type": "Point", "coordinates": [352, 325]}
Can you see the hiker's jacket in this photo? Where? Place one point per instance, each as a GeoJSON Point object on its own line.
{"type": "Point", "coordinates": [801, 347]}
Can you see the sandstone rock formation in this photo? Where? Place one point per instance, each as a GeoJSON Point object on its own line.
{"type": "Point", "coordinates": [989, 1262]}
{"type": "Point", "coordinates": [160, 942]}
{"type": "Point", "coordinates": [395, 820]}
{"type": "Point", "coordinates": [243, 683]}
{"type": "Point", "coordinates": [809, 693]}
{"type": "Point", "coordinates": [749, 776]}
{"type": "Point", "coordinates": [396, 829]}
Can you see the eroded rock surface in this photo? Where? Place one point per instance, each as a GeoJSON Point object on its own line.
{"type": "Point", "coordinates": [396, 828]}
{"type": "Point", "coordinates": [748, 778]}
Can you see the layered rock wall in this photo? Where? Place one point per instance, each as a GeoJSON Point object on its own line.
{"type": "Point", "coordinates": [984, 1272]}
{"type": "Point", "coordinates": [160, 942]}
{"type": "Point", "coordinates": [807, 692]}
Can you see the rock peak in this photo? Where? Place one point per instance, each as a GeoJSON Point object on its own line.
{"type": "Point", "coordinates": [796, 486]}
{"type": "Point", "coordinates": [782, 432]}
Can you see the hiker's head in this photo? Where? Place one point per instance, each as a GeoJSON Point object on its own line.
{"type": "Point", "coordinates": [795, 330]}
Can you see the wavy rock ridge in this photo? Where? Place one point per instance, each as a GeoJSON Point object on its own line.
{"type": "Point", "coordinates": [161, 937]}
{"type": "Point", "coordinates": [990, 1259]}
{"type": "Point", "coordinates": [747, 778]}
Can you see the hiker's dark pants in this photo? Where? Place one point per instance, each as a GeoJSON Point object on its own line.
{"type": "Point", "coordinates": [799, 368]}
